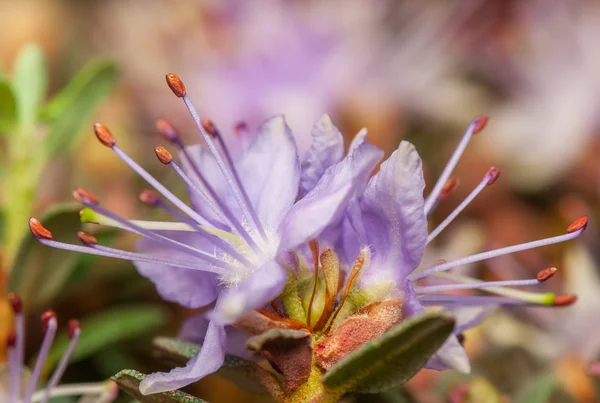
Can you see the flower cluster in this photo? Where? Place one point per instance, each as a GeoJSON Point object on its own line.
{"type": "Point", "coordinates": [317, 244]}
{"type": "Point", "coordinates": [22, 385]}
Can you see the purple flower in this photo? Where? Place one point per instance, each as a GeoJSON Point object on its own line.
{"type": "Point", "coordinates": [24, 390]}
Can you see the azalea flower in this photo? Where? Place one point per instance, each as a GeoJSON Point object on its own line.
{"type": "Point", "coordinates": [266, 230]}
{"type": "Point", "coordinates": [22, 385]}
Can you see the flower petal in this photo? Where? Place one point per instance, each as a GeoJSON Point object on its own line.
{"type": "Point", "coordinates": [256, 291]}
{"type": "Point", "coordinates": [190, 288]}
{"type": "Point", "coordinates": [392, 220]}
{"type": "Point", "coordinates": [208, 360]}
{"type": "Point", "coordinates": [326, 149]}
{"type": "Point", "coordinates": [324, 206]}
{"type": "Point", "coordinates": [270, 172]}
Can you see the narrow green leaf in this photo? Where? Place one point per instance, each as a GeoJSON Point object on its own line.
{"type": "Point", "coordinates": [393, 358]}
{"type": "Point", "coordinates": [106, 328]}
{"type": "Point", "coordinates": [8, 107]}
{"type": "Point", "coordinates": [75, 104]}
{"type": "Point", "coordinates": [538, 390]}
{"type": "Point", "coordinates": [129, 381]}
{"type": "Point", "coordinates": [29, 83]}
{"type": "Point", "coordinates": [39, 270]}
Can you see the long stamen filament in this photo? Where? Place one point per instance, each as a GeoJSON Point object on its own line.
{"type": "Point", "coordinates": [49, 320]}
{"type": "Point", "coordinates": [74, 333]}
{"type": "Point", "coordinates": [72, 390]}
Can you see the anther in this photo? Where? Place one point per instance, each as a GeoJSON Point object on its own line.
{"type": "Point", "coordinates": [480, 123]}
{"type": "Point", "coordinates": [545, 274]}
{"type": "Point", "coordinates": [46, 318]}
{"type": "Point", "coordinates": [38, 230]}
{"type": "Point", "coordinates": [492, 174]}
{"type": "Point", "coordinates": [104, 135]}
{"type": "Point", "coordinates": [167, 130]}
{"type": "Point", "coordinates": [210, 127]}
{"type": "Point", "coordinates": [15, 302]}
{"type": "Point", "coordinates": [176, 84]}
{"type": "Point", "coordinates": [580, 223]}
{"type": "Point", "coordinates": [150, 197]}
{"type": "Point", "coordinates": [449, 187]}
{"type": "Point", "coordinates": [240, 128]}
{"type": "Point", "coordinates": [11, 339]}
{"type": "Point", "coordinates": [85, 197]}
{"type": "Point", "coordinates": [87, 239]}
{"type": "Point", "coordinates": [163, 155]}
{"type": "Point", "coordinates": [564, 299]}
{"type": "Point", "coordinates": [73, 328]}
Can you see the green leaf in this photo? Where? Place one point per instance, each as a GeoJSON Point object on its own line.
{"type": "Point", "coordinates": [538, 390]}
{"type": "Point", "coordinates": [29, 82]}
{"type": "Point", "coordinates": [8, 107]}
{"type": "Point", "coordinates": [76, 103]}
{"type": "Point", "coordinates": [129, 381]}
{"type": "Point", "coordinates": [106, 328]}
{"type": "Point", "coordinates": [39, 271]}
{"type": "Point", "coordinates": [393, 358]}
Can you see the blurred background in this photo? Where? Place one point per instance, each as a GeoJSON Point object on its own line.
{"type": "Point", "coordinates": [404, 69]}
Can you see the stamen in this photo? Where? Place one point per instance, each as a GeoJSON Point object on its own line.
{"type": "Point", "coordinates": [178, 89]}
{"type": "Point", "coordinates": [101, 131]}
{"type": "Point", "coordinates": [150, 198]}
{"type": "Point", "coordinates": [210, 128]}
{"type": "Point", "coordinates": [74, 332]}
{"type": "Point", "coordinates": [477, 300]}
{"type": "Point", "coordinates": [574, 230]}
{"type": "Point", "coordinates": [49, 326]}
{"type": "Point", "coordinates": [94, 249]}
{"type": "Point", "coordinates": [166, 129]}
{"type": "Point", "coordinates": [449, 187]}
{"type": "Point", "coordinates": [489, 178]}
{"type": "Point", "coordinates": [79, 389]}
{"type": "Point", "coordinates": [541, 277]}
{"type": "Point", "coordinates": [475, 127]}
{"type": "Point", "coordinates": [80, 195]}
{"type": "Point", "coordinates": [18, 344]}
{"type": "Point", "coordinates": [314, 248]}
{"type": "Point", "coordinates": [14, 367]}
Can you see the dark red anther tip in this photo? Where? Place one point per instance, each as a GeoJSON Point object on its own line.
{"type": "Point", "coordinates": [167, 130]}
{"type": "Point", "coordinates": [163, 155]}
{"type": "Point", "coordinates": [545, 274]}
{"type": "Point", "coordinates": [449, 187]}
{"type": "Point", "coordinates": [176, 84]}
{"type": "Point", "coordinates": [480, 123]}
{"type": "Point", "coordinates": [104, 135]}
{"type": "Point", "coordinates": [565, 299]}
{"type": "Point", "coordinates": [87, 239]}
{"type": "Point", "coordinates": [84, 196]}
{"type": "Point", "coordinates": [11, 339]}
{"type": "Point", "coordinates": [580, 223]}
{"type": "Point", "coordinates": [210, 127]}
{"type": "Point", "coordinates": [73, 327]}
{"type": "Point", "coordinates": [492, 175]}
{"type": "Point", "coordinates": [150, 197]}
{"type": "Point", "coordinates": [46, 317]}
{"type": "Point", "coordinates": [15, 302]}
{"type": "Point", "coordinates": [240, 128]}
{"type": "Point", "coordinates": [38, 230]}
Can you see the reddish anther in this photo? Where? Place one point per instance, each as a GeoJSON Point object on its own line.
{"type": "Point", "coordinates": [480, 123]}
{"type": "Point", "coordinates": [565, 299]}
{"type": "Point", "coordinates": [150, 197]}
{"type": "Point", "coordinates": [176, 84]}
{"type": "Point", "coordinates": [449, 187]}
{"type": "Point", "coordinates": [545, 274]}
{"type": "Point", "coordinates": [104, 135]}
{"type": "Point", "coordinates": [15, 302]}
{"type": "Point", "coordinates": [87, 239]}
{"type": "Point", "coordinates": [73, 327]}
{"type": "Point", "coordinates": [580, 223]}
{"type": "Point", "coordinates": [46, 317]}
{"type": "Point", "coordinates": [210, 127]}
{"type": "Point", "coordinates": [167, 130]}
{"type": "Point", "coordinates": [84, 196]}
{"type": "Point", "coordinates": [163, 155]}
{"type": "Point", "coordinates": [492, 174]}
{"type": "Point", "coordinates": [11, 339]}
{"type": "Point", "coordinates": [38, 230]}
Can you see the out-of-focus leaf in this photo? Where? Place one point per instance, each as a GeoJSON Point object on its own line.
{"type": "Point", "coordinates": [106, 328]}
{"type": "Point", "coordinates": [112, 360]}
{"type": "Point", "coordinates": [129, 381]}
{"type": "Point", "coordinates": [393, 358]}
{"type": "Point", "coordinates": [8, 107]}
{"type": "Point", "coordinates": [245, 374]}
{"type": "Point", "coordinates": [40, 268]}
{"type": "Point", "coordinates": [29, 83]}
{"type": "Point", "coordinates": [538, 390]}
{"type": "Point", "coordinates": [75, 104]}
